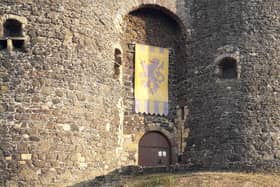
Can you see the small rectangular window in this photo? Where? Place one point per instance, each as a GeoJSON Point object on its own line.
{"type": "Point", "coordinates": [18, 44]}
{"type": "Point", "coordinates": [228, 68]}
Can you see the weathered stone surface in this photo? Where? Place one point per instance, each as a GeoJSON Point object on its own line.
{"type": "Point", "coordinates": [65, 118]}
{"type": "Point", "coordinates": [3, 108]}
{"type": "Point", "coordinates": [231, 121]}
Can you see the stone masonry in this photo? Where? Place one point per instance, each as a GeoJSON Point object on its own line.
{"type": "Point", "coordinates": [66, 117]}
{"type": "Point", "coordinates": [234, 124]}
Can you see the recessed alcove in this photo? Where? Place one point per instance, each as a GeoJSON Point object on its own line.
{"type": "Point", "coordinates": [12, 28]}
{"type": "Point", "coordinates": [18, 44]}
{"type": "Point", "coordinates": [13, 36]}
{"type": "Point", "coordinates": [157, 28]}
{"type": "Point", "coordinates": [228, 68]}
{"type": "Point", "coordinates": [117, 63]}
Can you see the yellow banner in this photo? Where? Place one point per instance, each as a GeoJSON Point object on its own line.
{"type": "Point", "coordinates": [151, 79]}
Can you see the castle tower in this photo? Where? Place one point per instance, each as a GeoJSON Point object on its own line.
{"type": "Point", "coordinates": [66, 87]}
{"type": "Point", "coordinates": [232, 86]}
{"type": "Point", "coordinates": [59, 118]}
{"type": "Point", "coordinates": [66, 107]}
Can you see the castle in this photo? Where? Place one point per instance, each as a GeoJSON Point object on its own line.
{"type": "Point", "coordinates": [67, 87]}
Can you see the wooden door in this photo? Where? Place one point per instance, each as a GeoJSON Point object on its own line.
{"type": "Point", "coordinates": [154, 150]}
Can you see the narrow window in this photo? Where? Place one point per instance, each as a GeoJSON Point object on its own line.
{"type": "Point", "coordinates": [14, 35]}
{"type": "Point", "coordinates": [183, 113]}
{"type": "Point", "coordinates": [117, 63]}
{"type": "Point", "coordinates": [18, 44]}
{"type": "Point", "coordinates": [12, 28]}
{"type": "Point", "coordinates": [228, 68]}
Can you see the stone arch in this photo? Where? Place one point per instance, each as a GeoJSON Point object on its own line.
{"type": "Point", "coordinates": [168, 10]}
{"type": "Point", "coordinates": [18, 19]}
{"type": "Point", "coordinates": [164, 6]}
{"type": "Point", "coordinates": [157, 26]}
{"type": "Point", "coordinates": [12, 32]}
{"type": "Point", "coordinates": [170, 137]}
{"type": "Point", "coordinates": [172, 149]}
{"type": "Point", "coordinates": [171, 35]}
{"type": "Point", "coordinates": [170, 7]}
{"type": "Point", "coordinates": [221, 58]}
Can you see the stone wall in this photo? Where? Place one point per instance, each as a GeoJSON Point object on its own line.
{"type": "Point", "coordinates": [234, 124]}
{"type": "Point", "coordinates": [61, 107]}
{"type": "Point", "coordinates": [261, 75]}
{"type": "Point", "coordinates": [65, 118]}
{"type": "Point", "coordinates": [59, 116]}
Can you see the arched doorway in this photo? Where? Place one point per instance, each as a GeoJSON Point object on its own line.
{"type": "Point", "coordinates": [154, 150]}
{"type": "Point", "coordinates": [153, 26]}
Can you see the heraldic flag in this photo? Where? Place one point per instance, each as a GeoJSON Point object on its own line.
{"type": "Point", "coordinates": [151, 79]}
